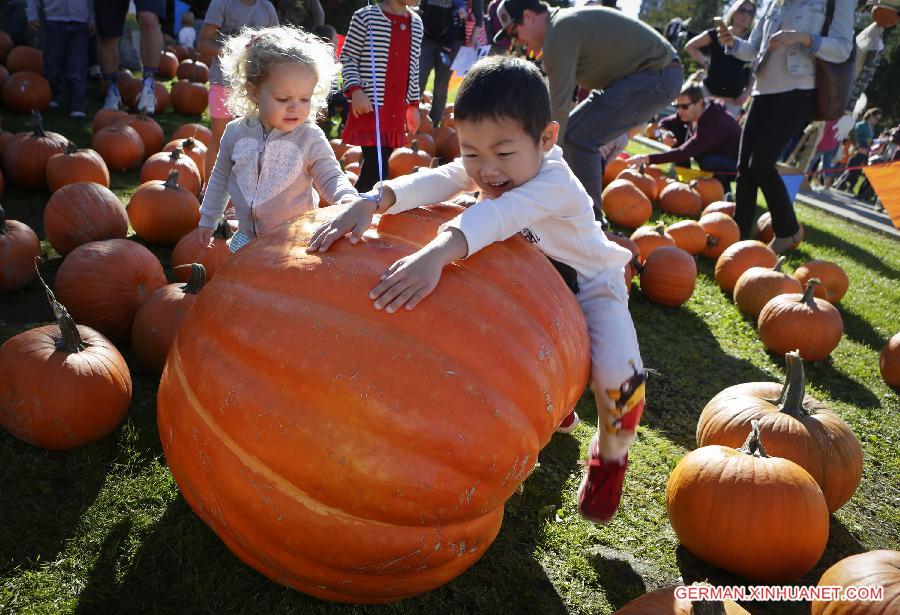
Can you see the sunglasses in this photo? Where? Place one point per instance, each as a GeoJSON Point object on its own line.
{"type": "Point", "coordinates": [686, 106]}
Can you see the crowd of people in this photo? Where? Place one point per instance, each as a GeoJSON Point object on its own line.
{"type": "Point", "coordinates": [535, 135]}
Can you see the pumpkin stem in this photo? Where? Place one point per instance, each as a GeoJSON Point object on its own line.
{"type": "Point", "coordinates": [708, 607]}
{"type": "Point", "coordinates": [71, 148]}
{"type": "Point", "coordinates": [790, 401]}
{"type": "Point", "coordinates": [223, 229]}
{"type": "Point", "coordinates": [752, 445]}
{"type": "Point", "coordinates": [176, 154]}
{"type": "Point", "coordinates": [414, 146]}
{"type": "Point", "coordinates": [188, 143]}
{"type": "Point", "coordinates": [660, 229]}
{"type": "Point", "coordinates": [38, 124]}
{"type": "Point", "coordinates": [197, 280]}
{"type": "Point", "coordinates": [172, 181]}
{"type": "Point", "coordinates": [781, 260]}
{"type": "Point", "coordinates": [70, 340]}
{"type": "Point", "coordinates": [808, 296]}
{"type": "Point", "coordinates": [712, 240]}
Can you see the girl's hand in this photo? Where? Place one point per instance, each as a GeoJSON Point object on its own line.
{"type": "Point", "coordinates": [412, 119]}
{"type": "Point", "coordinates": [786, 38]}
{"type": "Point", "coordinates": [206, 237]}
{"type": "Point", "coordinates": [354, 220]}
{"type": "Point", "coordinates": [726, 36]}
{"type": "Point", "coordinates": [414, 277]}
{"type": "Point", "coordinates": [360, 103]}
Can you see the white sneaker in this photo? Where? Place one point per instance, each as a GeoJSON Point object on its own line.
{"type": "Point", "coordinates": [77, 114]}
{"type": "Point", "coordinates": [113, 100]}
{"type": "Point", "coordinates": [53, 104]}
{"type": "Point", "coordinates": [147, 99]}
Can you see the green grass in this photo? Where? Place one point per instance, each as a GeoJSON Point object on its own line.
{"type": "Point", "coordinates": [103, 528]}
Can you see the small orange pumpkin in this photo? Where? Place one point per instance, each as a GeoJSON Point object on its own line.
{"type": "Point", "coordinates": [194, 148]}
{"type": "Point", "coordinates": [763, 231]}
{"type": "Point", "coordinates": [26, 91]}
{"type": "Point", "coordinates": [168, 65]}
{"type": "Point", "coordinates": [76, 165]}
{"type": "Point", "coordinates": [724, 207]}
{"type": "Point", "coordinates": [405, 160]}
{"type": "Point", "coordinates": [193, 70]}
{"type": "Point", "coordinates": [649, 238]}
{"type": "Point", "coordinates": [625, 205]}
{"type": "Point", "coordinates": [668, 276]}
{"type": "Point", "coordinates": [159, 166]}
{"type": "Point", "coordinates": [19, 246]}
{"type": "Point", "coordinates": [612, 170]}
{"type": "Point", "coordinates": [877, 570]}
{"type": "Point", "coordinates": [710, 189]}
{"type": "Point", "coordinates": [758, 285]}
{"type": "Point", "coordinates": [721, 231]}
{"type": "Point", "coordinates": [82, 212]}
{"type": "Point", "coordinates": [681, 200]}
{"type": "Point", "coordinates": [195, 131]}
{"type": "Point", "coordinates": [25, 58]}
{"type": "Point", "coordinates": [188, 250]}
{"type": "Point", "coordinates": [803, 322]}
{"type": "Point", "coordinates": [107, 117]}
{"type": "Point", "coordinates": [835, 281]}
{"type": "Point", "coordinates": [26, 155]}
{"type": "Point", "coordinates": [189, 98]}
{"type": "Point", "coordinates": [425, 142]}
{"type": "Point", "coordinates": [120, 147]}
{"type": "Point", "coordinates": [688, 235]}
{"type": "Point", "coordinates": [162, 212]}
{"type": "Point", "coordinates": [738, 258]}
{"type": "Point", "coordinates": [643, 180]}
{"type": "Point", "coordinates": [890, 362]}
{"type": "Point", "coordinates": [150, 132]}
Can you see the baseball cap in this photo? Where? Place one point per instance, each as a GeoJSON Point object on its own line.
{"type": "Point", "coordinates": [510, 12]}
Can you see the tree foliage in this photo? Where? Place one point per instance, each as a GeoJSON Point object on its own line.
{"type": "Point", "coordinates": [700, 12]}
{"type": "Point", "coordinates": [884, 91]}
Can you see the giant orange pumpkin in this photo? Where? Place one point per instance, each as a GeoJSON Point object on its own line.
{"type": "Point", "coordinates": [794, 426]}
{"type": "Point", "coordinates": [104, 282]}
{"type": "Point", "coordinates": [76, 165]}
{"type": "Point", "coordinates": [25, 156]}
{"type": "Point", "coordinates": [79, 213]}
{"type": "Point", "coordinates": [738, 258]}
{"type": "Point", "coordinates": [680, 199]}
{"type": "Point", "coordinates": [189, 250]}
{"type": "Point", "coordinates": [374, 465]}
{"type": "Point", "coordinates": [26, 92]}
{"type": "Point", "coordinates": [625, 205]}
{"type": "Point", "coordinates": [803, 322]}
{"type": "Point", "coordinates": [876, 571]}
{"type": "Point", "coordinates": [889, 363]}
{"type": "Point", "coordinates": [758, 516]}
{"type": "Point", "coordinates": [157, 319]}
{"type": "Point", "coordinates": [835, 281]}
{"type": "Point", "coordinates": [62, 385]}
{"type": "Point", "coordinates": [19, 246]}
{"type": "Point", "coordinates": [163, 212]}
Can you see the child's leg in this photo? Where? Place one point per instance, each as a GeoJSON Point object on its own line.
{"type": "Point", "coordinates": [617, 380]}
{"type": "Point", "coordinates": [368, 172]}
{"type": "Point", "coordinates": [54, 55]}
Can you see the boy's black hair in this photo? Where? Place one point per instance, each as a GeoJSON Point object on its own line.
{"type": "Point", "coordinates": [325, 32]}
{"type": "Point", "coordinates": [502, 87]}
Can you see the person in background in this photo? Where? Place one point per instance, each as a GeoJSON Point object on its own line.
{"type": "Point", "coordinates": [110, 19]}
{"type": "Point", "coordinates": [704, 131]}
{"type": "Point", "coordinates": [632, 72]}
{"type": "Point", "coordinates": [727, 78]}
{"type": "Point", "coordinates": [863, 135]}
{"type": "Point", "coordinates": [337, 102]}
{"type": "Point", "coordinates": [437, 23]}
{"type": "Point", "coordinates": [823, 159]}
{"type": "Point", "coordinates": [496, 35]}
{"type": "Point", "coordinates": [783, 94]}
{"type": "Point", "coordinates": [225, 18]}
{"type": "Point", "coordinates": [187, 35]}
{"type": "Point", "coordinates": [306, 14]}
{"type": "Point", "coordinates": [67, 25]}
{"type": "Point", "coordinates": [396, 30]}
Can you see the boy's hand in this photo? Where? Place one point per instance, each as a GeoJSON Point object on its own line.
{"type": "Point", "coordinates": [413, 277]}
{"type": "Point", "coordinates": [354, 220]}
{"type": "Point", "coordinates": [360, 103]}
{"type": "Point", "coordinates": [206, 237]}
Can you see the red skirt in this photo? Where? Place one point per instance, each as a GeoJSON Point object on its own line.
{"type": "Point", "coordinates": [360, 130]}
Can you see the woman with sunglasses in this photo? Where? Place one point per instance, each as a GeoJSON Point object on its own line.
{"type": "Point", "coordinates": [727, 77]}
{"type": "Point", "coordinates": [783, 47]}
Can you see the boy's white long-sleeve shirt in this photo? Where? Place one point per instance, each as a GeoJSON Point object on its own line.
{"type": "Point", "coordinates": [551, 210]}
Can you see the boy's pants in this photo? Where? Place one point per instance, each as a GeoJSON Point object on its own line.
{"type": "Point", "coordinates": [66, 47]}
{"type": "Point", "coordinates": [617, 372]}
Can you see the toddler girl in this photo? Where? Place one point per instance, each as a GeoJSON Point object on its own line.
{"type": "Point", "coordinates": [273, 156]}
{"type": "Point", "coordinates": [396, 35]}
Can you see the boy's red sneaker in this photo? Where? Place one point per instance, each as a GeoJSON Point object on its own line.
{"type": "Point", "coordinates": [569, 423]}
{"type": "Point", "coordinates": [601, 487]}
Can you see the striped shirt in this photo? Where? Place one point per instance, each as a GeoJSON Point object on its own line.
{"type": "Point", "coordinates": [356, 54]}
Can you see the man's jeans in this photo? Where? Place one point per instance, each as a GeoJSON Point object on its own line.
{"type": "Point", "coordinates": [431, 58]}
{"type": "Point", "coordinates": [65, 47]}
{"type": "Point", "coordinates": [724, 168]}
{"type": "Point", "coordinates": [606, 114]}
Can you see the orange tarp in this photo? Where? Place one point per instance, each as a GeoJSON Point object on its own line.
{"type": "Point", "coordinates": [885, 180]}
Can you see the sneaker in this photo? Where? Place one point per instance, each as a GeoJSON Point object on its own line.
{"type": "Point", "coordinates": [147, 99]}
{"type": "Point", "coordinates": [601, 487]}
{"type": "Point", "coordinates": [53, 104]}
{"type": "Point", "coordinates": [77, 114]}
{"type": "Point", "coordinates": [113, 100]}
{"type": "Point", "coordinates": [780, 245]}
{"type": "Point", "coordinates": [569, 423]}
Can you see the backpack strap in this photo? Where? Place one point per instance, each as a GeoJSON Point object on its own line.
{"type": "Point", "coordinates": [829, 15]}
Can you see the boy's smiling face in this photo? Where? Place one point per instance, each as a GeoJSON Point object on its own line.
{"type": "Point", "coordinates": [499, 155]}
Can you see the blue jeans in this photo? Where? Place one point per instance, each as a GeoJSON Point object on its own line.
{"type": "Point", "coordinates": [65, 54]}
{"type": "Point", "coordinates": [827, 160]}
{"type": "Point", "coordinates": [606, 114]}
{"type": "Point", "coordinates": [717, 163]}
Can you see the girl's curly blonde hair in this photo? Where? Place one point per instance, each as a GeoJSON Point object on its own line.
{"type": "Point", "coordinates": [248, 58]}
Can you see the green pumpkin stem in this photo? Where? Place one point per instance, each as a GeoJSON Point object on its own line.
{"type": "Point", "coordinates": [71, 148]}
{"type": "Point", "coordinates": [172, 181]}
{"type": "Point", "coordinates": [70, 340]}
{"type": "Point", "coordinates": [781, 260]}
{"type": "Point", "coordinates": [752, 445]}
{"type": "Point", "coordinates": [196, 281]}
{"type": "Point", "coordinates": [808, 296]}
{"type": "Point", "coordinates": [794, 391]}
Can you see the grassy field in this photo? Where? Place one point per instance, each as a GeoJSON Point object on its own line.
{"type": "Point", "coordinates": [103, 529]}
